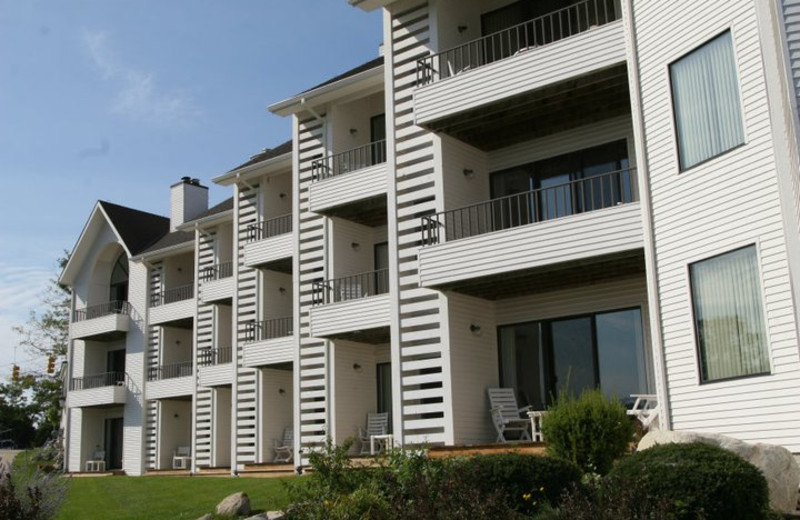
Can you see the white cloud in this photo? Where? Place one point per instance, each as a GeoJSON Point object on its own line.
{"type": "Point", "coordinates": [140, 97]}
{"type": "Point", "coordinates": [21, 291]}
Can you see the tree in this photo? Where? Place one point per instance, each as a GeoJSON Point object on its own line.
{"type": "Point", "coordinates": [45, 334]}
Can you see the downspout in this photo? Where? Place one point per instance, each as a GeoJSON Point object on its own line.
{"type": "Point", "coordinates": [653, 295]}
{"type": "Point", "coordinates": [235, 339]}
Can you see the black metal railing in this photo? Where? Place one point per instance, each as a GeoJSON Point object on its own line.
{"type": "Point", "coordinates": [97, 381]}
{"type": "Point", "coordinates": [269, 329]}
{"type": "Point", "coordinates": [170, 371]}
{"type": "Point", "coordinates": [214, 356]}
{"type": "Point", "coordinates": [270, 228]}
{"type": "Point", "coordinates": [216, 272]}
{"type": "Point", "coordinates": [176, 294]}
{"type": "Point", "coordinates": [545, 29]}
{"type": "Point", "coordinates": [351, 287]}
{"type": "Point", "coordinates": [102, 309]}
{"type": "Point", "coordinates": [349, 161]}
{"type": "Point", "coordinates": [579, 196]}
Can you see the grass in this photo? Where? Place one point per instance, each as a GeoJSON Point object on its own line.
{"type": "Point", "coordinates": [156, 498]}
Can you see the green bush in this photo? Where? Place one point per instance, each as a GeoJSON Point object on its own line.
{"type": "Point", "coordinates": [700, 481]}
{"type": "Point", "coordinates": [590, 431]}
{"type": "Point", "coordinates": [523, 482]}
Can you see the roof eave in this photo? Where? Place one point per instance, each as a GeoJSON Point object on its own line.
{"type": "Point", "coordinates": [265, 167]}
{"type": "Point", "coordinates": [216, 218]}
{"type": "Point", "coordinates": [369, 5]}
{"type": "Point", "coordinates": [164, 252]}
{"type": "Point", "coordinates": [329, 92]}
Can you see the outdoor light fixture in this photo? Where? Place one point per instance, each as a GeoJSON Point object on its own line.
{"type": "Point", "coordinates": [281, 391]}
{"type": "Point", "coordinates": [353, 131]}
{"type": "Point", "coordinates": [462, 28]}
{"type": "Point", "coordinates": [281, 290]}
{"type": "Point", "coordinates": [355, 245]}
{"type": "Point", "coordinates": [475, 329]}
{"type": "Point", "coordinates": [282, 195]}
{"type": "Point", "coordinates": [468, 173]}
{"type": "Point", "coordinates": [357, 367]}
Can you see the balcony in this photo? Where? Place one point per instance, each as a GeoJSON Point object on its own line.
{"type": "Point", "coordinates": [172, 305]}
{"type": "Point", "coordinates": [269, 342]}
{"type": "Point", "coordinates": [351, 185]}
{"type": "Point", "coordinates": [105, 389]}
{"type": "Point", "coordinates": [502, 247]}
{"type": "Point", "coordinates": [355, 307]}
{"type": "Point", "coordinates": [104, 322]}
{"type": "Point", "coordinates": [514, 85]}
{"type": "Point", "coordinates": [270, 244]}
{"type": "Point", "coordinates": [170, 380]}
{"type": "Point", "coordinates": [215, 366]}
{"type": "Point", "coordinates": [217, 282]}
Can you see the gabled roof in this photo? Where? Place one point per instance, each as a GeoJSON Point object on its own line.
{"type": "Point", "coordinates": [266, 154]}
{"type": "Point", "coordinates": [137, 229]}
{"type": "Point", "coordinates": [371, 64]}
{"type": "Point", "coordinates": [225, 205]}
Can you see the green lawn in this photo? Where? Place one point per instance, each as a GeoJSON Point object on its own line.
{"type": "Point", "coordinates": [156, 498]}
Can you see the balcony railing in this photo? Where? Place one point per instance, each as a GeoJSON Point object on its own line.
{"type": "Point", "coordinates": [216, 272]}
{"type": "Point", "coordinates": [97, 381]}
{"type": "Point", "coordinates": [270, 228]}
{"type": "Point", "coordinates": [546, 29]}
{"type": "Point", "coordinates": [349, 161]}
{"type": "Point", "coordinates": [214, 356]}
{"type": "Point", "coordinates": [100, 310]}
{"type": "Point", "coordinates": [579, 196]}
{"type": "Point", "coordinates": [170, 371]}
{"type": "Point", "coordinates": [351, 287]}
{"type": "Point", "coordinates": [269, 329]}
{"type": "Point", "coordinates": [176, 294]}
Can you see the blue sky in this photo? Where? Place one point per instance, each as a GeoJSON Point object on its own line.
{"type": "Point", "coordinates": [118, 99]}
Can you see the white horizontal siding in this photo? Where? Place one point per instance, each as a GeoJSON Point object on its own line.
{"type": "Point", "coordinates": [350, 316]}
{"type": "Point", "coordinates": [172, 311]}
{"type": "Point", "coordinates": [216, 375]}
{"type": "Point", "coordinates": [166, 388]}
{"type": "Point", "coordinates": [102, 396]}
{"type": "Point", "coordinates": [593, 50]}
{"type": "Point", "coordinates": [347, 188]}
{"type": "Point", "coordinates": [101, 325]}
{"type": "Point", "coordinates": [597, 233]}
{"type": "Point", "coordinates": [268, 352]}
{"type": "Point", "coordinates": [216, 290]}
{"type": "Point", "coordinates": [268, 250]}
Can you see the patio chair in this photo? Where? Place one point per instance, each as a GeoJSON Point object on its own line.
{"type": "Point", "coordinates": [377, 424]}
{"type": "Point", "coordinates": [182, 457]}
{"type": "Point", "coordinates": [97, 463]}
{"type": "Point", "coordinates": [507, 416]}
{"type": "Point", "coordinates": [284, 448]}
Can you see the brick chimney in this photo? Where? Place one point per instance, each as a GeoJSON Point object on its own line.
{"type": "Point", "coordinates": [187, 199]}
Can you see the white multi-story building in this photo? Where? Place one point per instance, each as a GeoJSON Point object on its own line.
{"type": "Point", "coordinates": [542, 195]}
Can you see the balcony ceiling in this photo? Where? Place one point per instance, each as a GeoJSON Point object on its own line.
{"type": "Point", "coordinates": [557, 108]}
{"type": "Point", "coordinates": [377, 336]}
{"type": "Point", "coordinates": [368, 212]}
{"type": "Point", "coordinates": [284, 265]}
{"type": "Point", "coordinates": [552, 278]}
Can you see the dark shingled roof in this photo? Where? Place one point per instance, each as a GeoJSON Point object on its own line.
{"type": "Point", "coordinates": [171, 239]}
{"type": "Point", "coordinates": [223, 206]}
{"type": "Point", "coordinates": [371, 64]}
{"type": "Point", "coordinates": [268, 153]}
{"type": "Point", "coordinates": [137, 229]}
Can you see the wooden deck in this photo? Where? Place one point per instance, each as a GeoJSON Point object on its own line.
{"type": "Point", "coordinates": [525, 448]}
{"type": "Point", "coordinates": [267, 470]}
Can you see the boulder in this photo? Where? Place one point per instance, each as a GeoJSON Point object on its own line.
{"type": "Point", "coordinates": [237, 504]}
{"type": "Point", "coordinates": [259, 516]}
{"type": "Point", "coordinates": [274, 515]}
{"type": "Point", "coordinates": [207, 516]}
{"type": "Point", "coordinates": [778, 465]}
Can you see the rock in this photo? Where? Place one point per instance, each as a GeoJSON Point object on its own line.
{"type": "Point", "coordinates": [274, 515]}
{"type": "Point", "coordinates": [259, 516]}
{"type": "Point", "coordinates": [237, 504]}
{"type": "Point", "coordinates": [207, 516]}
{"type": "Point", "coordinates": [779, 467]}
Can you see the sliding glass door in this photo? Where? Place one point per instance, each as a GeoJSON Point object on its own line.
{"type": "Point", "coordinates": [542, 359]}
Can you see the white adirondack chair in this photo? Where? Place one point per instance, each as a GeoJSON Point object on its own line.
{"type": "Point", "coordinates": [646, 409]}
{"type": "Point", "coordinates": [97, 462]}
{"type": "Point", "coordinates": [284, 448]}
{"type": "Point", "coordinates": [182, 458]}
{"type": "Point", "coordinates": [377, 424]}
{"type": "Point", "coordinates": [507, 416]}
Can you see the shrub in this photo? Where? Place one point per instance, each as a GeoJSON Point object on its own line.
{"type": "Point", "coordinates": [31, 495]}
{"type": "Point", "coordinates": [523, 482]}
{"type": "Point", "coordinates": [700, 481]}
{"type": "Point", "coordinates": [590, 431]}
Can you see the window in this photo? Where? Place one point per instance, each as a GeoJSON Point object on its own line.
{"type": "Point", "coordinates": [705, 97]}
{"type": "Point", "coordinates": [728, 316]}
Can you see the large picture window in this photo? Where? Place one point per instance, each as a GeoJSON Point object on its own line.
{"type": "Point", "coordinates": [705, 96]}
{"type": "Point", "coordinates": [729, 316]}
